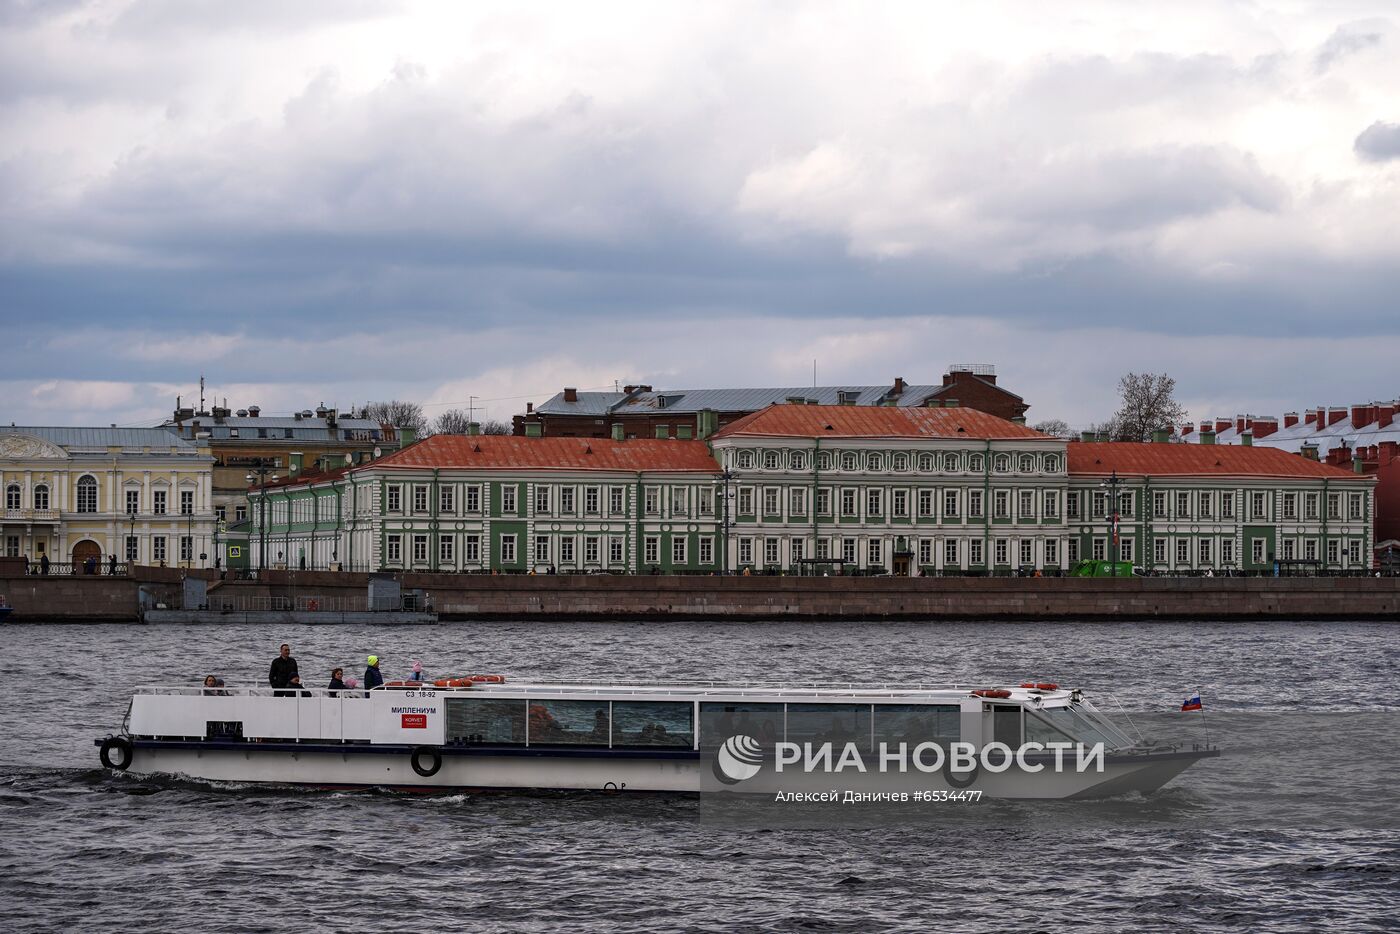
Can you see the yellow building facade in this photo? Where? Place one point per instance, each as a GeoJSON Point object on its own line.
{"type": "Point", "coordinates": [94, 497]}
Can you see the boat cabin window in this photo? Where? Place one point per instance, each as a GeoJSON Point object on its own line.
{"type": "Point", "coordinates": [917, 723]}
{"type": "Point", "coordinates": [483, 720]}
{"type": "Point", "coordinates": [721, 720]}
{"type": "Point", "coordinates": [1006, 725]}
{"type": "Point", "coordinates": [1083, 729]}
{"type": "Point", "coordinates": [653, 723]}
{"type": "Point", "coordinates": [567, 722]}
{"type": "Point", "coordinates": [837, 724]}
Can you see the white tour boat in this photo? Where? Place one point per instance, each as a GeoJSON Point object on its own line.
{"type": "Point", "coordinates": [485, 732]}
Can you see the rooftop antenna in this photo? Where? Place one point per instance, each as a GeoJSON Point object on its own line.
{"type": "Point", "coordinates": [814, 372]}
{"type": "Point", "coordinates": [471, 408]}
{"type": "Point", "coordinates": [201, 393]}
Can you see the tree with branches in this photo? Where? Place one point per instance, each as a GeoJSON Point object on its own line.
{"type": "Point", "coordinates": [452, 422]}
{"type": "Point", "coordinates": [1147, 404]}
{"type": "Point", "coordinates": [399, 414]}
{"type": "Point", "coordinates": [1054, 427]}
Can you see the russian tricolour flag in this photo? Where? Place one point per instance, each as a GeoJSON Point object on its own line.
{"type": "Point", "coordinates": [1192, 703]}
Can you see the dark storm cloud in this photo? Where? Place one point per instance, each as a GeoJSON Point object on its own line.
{"type": "Point", "coordinates": [1379, 142]}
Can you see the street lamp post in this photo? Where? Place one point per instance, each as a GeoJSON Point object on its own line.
{"type": "Point", "coordinates": [1112, 485]}
{"type": "Point", "coordinates": [724, 493]}
{"type": "Point", "coordinates": [130, 543]}
{"type": "Point", "coordinates": [260, 472]}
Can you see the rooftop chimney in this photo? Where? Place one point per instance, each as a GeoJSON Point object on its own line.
{"type": "Point", "coordinates": [1207, 436]}
{"type": "Point", "coordinates": [1222, 424]}
{"type": "Point", "coordinates": [1263, 427]}
{"type": "Point", "coordinates": [253, 411]}
{"type": "Point", "coordinates": [899, 386]}
{"type": "Point", "coordinates": [570, 394]}
{"type": "Point", "coordinates": [529, 407]}
{"type": "Point", "coordinates": [1336, 414]}
{"type": "Point", "coordinates": [1247, 438]}
{"type": "Point", "coordinates": [1384, 416]}
{"type": "Point", "coordinates": [1361, 416]}
{"type": "Point", "coordinates": [617, 431]}
{"type": "Point", "coordinates": [1310, 450]}
{"type": "Point", "coordinates": [1290, 419]}
{"type": "Point", "coordinates": [1242, 422]}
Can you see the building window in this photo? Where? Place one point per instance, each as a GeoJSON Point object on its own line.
{"type": "Point", "coordinates": [566, 550]}
{"type": "Point", "coordinates": [1125, 549]}
{"type": "Point", "coordinates": [1052, 463]}
{"type": "Point", "coordinates": [507, 549]}
{"type": "Point", "coordinates": [797, 460]}
{"type": "Point", "coordinates": [1333, 551]}
{"type": "Point", "coordinates": [1354, 506]}
{"type": "Point", "coordinates": [848, 550]}
{"type": "Point", "coordinates": [1354, 551]}
{"type": "Point", "coordinates": [1290, 505]}
{"type": "Point", "coordinates": [473, 499]}
{"type": "Point", "coordinates": [770, 501]}
{"type": "Point", "coordinates": [874, 502]}
{"type": "Point", "coordinates": [1002, 463]}
{"type": "Point", "coordinates": [1072, 550]}
{"type": "Point", "coordinates": [393, 548]}
{"type": "Point", "coordinates": [1027, 552]}
{"type": "Point", "coordinates": [159, 507]}
{"type": "Point", "coordinates": [446, 549]}
{"type": "Point", "coordinates": [771, 460]}
{"type": "Point", "coordinates": [874, 550]}
{"type": "Point", "coordinates": [1183, 505]}
{"type": "Point", "coordinates": [616, 504]}
{"type": "Point", "coordinates": [471, 549]}
{"type": "Point", "coordinates": [1256, 506]}
{"type": "Point", "coordinates": [950, 552]}
{"type": "Point", "coordinates": [824, 460]}
{"type": "Point", "coordinates": [187, 502]}
{"type": "Point", "coordinates": [420, 549]}
{"type": "Point", "coordinates": [131, 549]}
{"type": "Point", "coordinates": [1257, 550]}
{"type": "Point", "coordinates": [707, 550]}
{"type": "Point", "coordinates": [1026, 508]}
{"type": "Point", "coordinates": [1290, 549]}
{"type": "Point", "coordinates": [1227, 551]}
{"type": "Point", "coordinates": [566, 500]}
{"type": "Point", "coordinates": [1072, 505]}
{"type": "Point", "coordinates": [1052, 551]}
{"type": "Point", "coordinates": [590, 500]}
{"type": "Point", "coordinates": [1100, 504]}
{"type": "Point", "coordinates": [221, 513]}
{"type": "Point", "coordinates": [925, 551]}
{"type": "Point", "coordinates": [186, 548]}
{"type": "Point", "coordinates": [12, 496]}
{"type": "Point", "coordinates": [974, 552]}
{"type": "Point", "coordinates": [1001, 504]}
{"type": "Point", "coordinates": [1203, 505]}
{"type": "Point", "coordinates": [1183, 552]}
{"type": "Point", "coordinates": [899, 462]}
{"type": "Point", "coordinates": [925, 463]}
{"type": "Point", "coordinates": [1310, 549]}
{"type": "Point", "coordinates": [1310, 506]}
{"type": "Point", "coordinates": [706, 497]}
{"type": "Point", "coordinates": [158, 549]}
{"type": "Point", "coordinates": [799, 549]}
{"type": "Point", "coordinates": [797, 501]}
{"type": "Point", "coordinates": [1159, 505]}
{"type": "Point", "coordinates": [652, 550]}
{"type": "Point", "coordinates": [823, 503]}
{"type": "Point", "coordinates": [745, 460]}
{"type": "Point", "coordinates": [447, 500]}
{"type": "Point", "coordinates": [590, 549]}
{"type": "Point", "coordinates": [848, 461]}
{"type": "Point", "coordinates": [1100, 550]}
{"type": "Point", "coordinates": [615, 554]}
{"type": "Point", "coordinates": [541, 549]}
{"type": "Point", "coordinates": [1334, 505]}
{"type": "Point", "coordinates": [1159, 550]}
{"type": "Point", "coordinates": [420, 499]}
{"type": "Point", "coordinates": [508, 494]}
{"type": "Point", "coordinates": [240, 513]}
{"type": "Point", "coordinates": [925, 503]}
{"type": "Point", "coordinates": [745, 500]}
{"type": "Point", "coordinates": [950, 463]}
{"type": "Point", "coordinates": [87, 495]}
{"type": "Point", "coordinates": [393, 498]}
{"type": "Point", "coordinates": [974, 463]}
{"type": "Point", "coordinates": [1203, 552]}
{"type": "Point", "coordinates": [770, 552]}
{"type": "Point", "coordinates": [848, 502]}
{"type": "Point", "coordinates": [1125, 504]}
{"type": "Point", "coordinates": [745, 551]}
{"type": "Point", "coordinates": [678, 550]}
{"type": "Point", "coordinates": [133, 502]}
{"type": "Point", "coordinates": [542, 500]}
{"type": "Point", "coordinates": [950, 504]}
{"type": "Point", "coordinates": [899, 504]}
{"type": "Point", "coordinates": [1227, 505]}
{"type": "Point", "coordinates": [1052, 504]}
{"type": "Point", "coordinates": [1027, 464]}
{"type": "Point", "coordinates": [875, 462]}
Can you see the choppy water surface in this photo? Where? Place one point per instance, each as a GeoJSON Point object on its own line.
{"type": "Point", "coordinates": [80, 848]}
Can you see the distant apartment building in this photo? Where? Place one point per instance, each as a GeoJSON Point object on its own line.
{"type": "Point", "coordinates": [125, 495]}
{"type": "Point", "coordinates": [675, 413]}
{"type": "Point", "coordinates": [1363, 438]}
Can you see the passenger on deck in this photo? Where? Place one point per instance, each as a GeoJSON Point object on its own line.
{"type": "Point", "coordinates": [373, 678]}
{"type": "Point", "coordinates": [282, 670]}
{"type": "Point", "coordinates": [210, 683]}
{"type": "Point", "coordinates": [337, 682]}
{"type": "Point", "coordinates": [295, 685]}
{"type": "Point", "coordinates": [417, 671]}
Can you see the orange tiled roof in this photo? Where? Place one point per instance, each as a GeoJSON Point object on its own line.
{"type": "Point", "coordinates": [863, 421]}
{"type": "Point", "coordinates": [509, 452]}
{"type": "Point", "coordinates": [1134, 459]}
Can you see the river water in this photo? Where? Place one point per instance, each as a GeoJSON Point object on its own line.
{"type": "Point", "coordinates": [80, 848]}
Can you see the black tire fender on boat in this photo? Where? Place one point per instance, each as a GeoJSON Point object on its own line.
{"type": "Point", "coordinates": [120, 745]}
{"type": "Point", "coordinates": [960, 779]}
{"type": "Point", "coordinates": [415, 759]}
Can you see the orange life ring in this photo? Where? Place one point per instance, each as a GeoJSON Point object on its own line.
{"type": "Point", "coordinates": [443, 683]}
{"type": "Point", "coordinates": [992, 692]}
{"type": "Point", "coordinates": [460, 682]}
{"type": "Point", "coordinates": [1040, 685]}
{"type": "Point", "coordinates": [487, 679]}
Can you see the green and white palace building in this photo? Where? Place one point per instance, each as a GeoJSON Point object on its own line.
{"type": "Point", "coordinates": [818, 489]}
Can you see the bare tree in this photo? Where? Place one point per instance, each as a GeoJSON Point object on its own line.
{"type": "Point", "coordinates": [1147, 405]}
{"type": "Point", "coordinates": [494, 427]}
{"type": "Point", "coordinates": [399, 414]}
{"type": "Point", "coordinates": [1054, 427]}
{"type": "Point", "coordinates": [452, 422]}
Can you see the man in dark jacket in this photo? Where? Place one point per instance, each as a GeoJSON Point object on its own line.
{"type": "Point", "coordinates": [373, 678]}
{"type": "Point", "coordinates": [283, 668]}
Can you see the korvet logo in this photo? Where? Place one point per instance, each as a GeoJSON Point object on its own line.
{"type": "Point", "coordinates": [740, 758]}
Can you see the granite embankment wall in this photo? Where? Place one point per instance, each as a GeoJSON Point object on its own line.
{"type": "Point", "coordinates": [856, 598]}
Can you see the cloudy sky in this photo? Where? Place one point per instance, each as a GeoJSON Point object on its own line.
{"type": "Point", "coordinates": [342, 200]}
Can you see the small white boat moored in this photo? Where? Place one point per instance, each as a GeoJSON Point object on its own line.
{"type": "Point", "coordinates": [484, 732]}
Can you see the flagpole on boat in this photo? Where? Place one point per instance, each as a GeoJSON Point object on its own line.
{"type": "Point", "coordinates": [1203, 717]}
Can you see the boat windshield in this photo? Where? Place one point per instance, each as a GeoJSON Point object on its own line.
{"type": "Point", "coordinates": [1076, 724]}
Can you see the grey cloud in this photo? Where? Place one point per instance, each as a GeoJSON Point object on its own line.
{"type": "Point", "coordinates": [1347, 40]}
{"type": "Point", "coordinates": [1379, 142]}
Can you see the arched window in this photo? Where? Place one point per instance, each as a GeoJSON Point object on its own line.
{"type": "Point", "coordinates": [87, 495]}
{"type": "Point", "coordinates": [900, 462]}
{"type": "Point", "coordinates": [797, 460]}
{"type": "Point", "coordinates": [771, 460]}
{"type": "Point", "coordinates": [1002, 464]}
{"type": "Point", "coordinates": [926, 463]}
{"type": "Point", "coordinates": [41, 496]}
{"type": "Point", "coordinates": [950, 463]}
{"type": "Point", "coordinates": [1027, 463]}
{"type": "Point", "coordinates": [746, 460]}
{"type": "Point", "coordinates": [848, 461]}
{"type": "Point", "coordinates": [824, 460]}
{"type": "Point", "coordinates": [876, 462]}
{"type": "Point", "coordinates": [1052, 463]}
{"type": "Point", "coordinates": [12, 496]}
{"type": "Point", "coordinates": [974, 463]}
